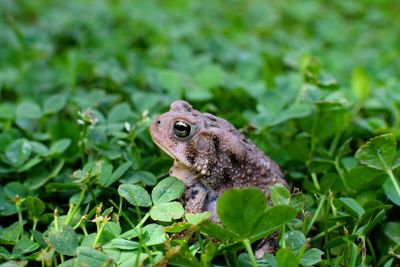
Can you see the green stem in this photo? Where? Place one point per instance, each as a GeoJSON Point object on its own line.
{"type": "Point", "coordinates": [303, 249]}
{"type": "Point", "coordinates": [99, 234]}
{"type": "Point", "coordinates": [75, 209]}
{"type": "Point", "coordinates": [56, 220]}
{"type": "Point", "coordinates": [394, 181]}
{"type": "Point", "coordinates": [315, 181]}
{"type": "Point", "coordinates": [246, 243]}
{"type": "Point", "coordinates": [122, 213]}
{"type": "Point", "coordinates": [313, 141]}
{"type": "Point", "coordinates": [334, 143]}
{"type": "Point", "coordinates": [20, 219]}
{"type": "Point", "coordinates": [282, 236]}
{"type": "Point", "coordinates": [316, 214]}
{"type": "Point", "coordinates": [353, 257]}
{"type": "Point", "coordinates": [372, 250]}
{"type": "Point", "coordinates": [146, 216]}
{"type": "Point", "coordinates": [79, 223]}
{"type": "Point", "coordinates": [35, 222]}
{"type": "Point", "coordinates": [387, 256]}
{"type": "Point", "coordinates": [341, 175]}
{"type": "Point", "coordinates": [330, 229]}
{"type": "Point", "coordinates": [203, 252]}
{"type": "Point", "coordinates": [363, 251]}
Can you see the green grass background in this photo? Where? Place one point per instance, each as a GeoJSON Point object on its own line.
{"type": "Point", "coordinates": [308, 81]}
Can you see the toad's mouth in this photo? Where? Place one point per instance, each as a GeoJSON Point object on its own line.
{"type": "Point", "coordinates": [180, 161]}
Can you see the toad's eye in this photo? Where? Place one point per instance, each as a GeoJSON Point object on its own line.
{"type": "Point", "coordinates": [182, 129]}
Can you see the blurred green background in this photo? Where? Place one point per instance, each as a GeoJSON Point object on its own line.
{"type": "Point", "coordinates": [308, 81]}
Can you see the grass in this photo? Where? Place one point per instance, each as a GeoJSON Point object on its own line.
{"type": "Point", "coordinates": [314, 85]}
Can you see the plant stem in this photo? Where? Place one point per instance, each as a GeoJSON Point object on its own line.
{"type": "Point", "coordinates": [341, 175]}
{"type": "Point", "coordinates": [122, 213]}
{"type": "Point", "coordinates": [20, 219]}
{"type": "Point", "coordinates": [203, 252]}
{"type": "Point", "coordinates": [71, 216]}
{"type": "Point", "coordinates": [372, 250]}
{"type": "Point", "coordinates": [246, 243]}
{"type": "Point", "coordinates": [316, 214]}
{"type": "Point", "coordinates": [384, 258]}
{"type": "Point", "coordinates": [334, 143]}
{"type": "Point", "coordinates": [99, 234]}
{"type": "Point", "coordinates": [321, 234]}
{"type": "Point", "coordinates": [56, 219]}
{"type": "Point", "coordinates": [315, 181]}
{"type": "Point", "coordinates": [35, 222]}
{"type": "Point", "coordinates": [303, 249]}
{"type": "Point", "coordinates": [146, 216]}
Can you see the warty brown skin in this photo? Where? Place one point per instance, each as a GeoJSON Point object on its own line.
{"type": "Point", "coordinates": [213, 157]}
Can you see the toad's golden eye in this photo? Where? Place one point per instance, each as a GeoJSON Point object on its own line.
{"type": "Point", "coordinates": [182, 129]}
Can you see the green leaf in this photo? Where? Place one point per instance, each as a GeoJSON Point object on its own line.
{"type": "Point", "coordinates": [177, 227]}
{"type": "Point", "coordinates": [80, 175]}
{"type": "Point", "coordinates": [120, 113]}
{"type": "Point", "coordinates": [197, 218]}
{"type": "Point", "coordinates": [30, 164]}
{"type": "Point", "coordinates": [24, 246]}
{"type": "Point", "coordinates": [69, 263]}
{"type": "Point", "coordinates": [128, 259]}
{"type": "Point", "coordinates": [124, 244]}
{"type": "Point", "coordinates": [352, 206]}
{"type": "Point", "coordinates": [10, 234]}
{"type": "Point", "coordinates": [12, 189]}
{"type": "Point", "coordinates": [34, 206]}
{"type": "Point", "coordinates": [65, 240]}
{"type": "Point", "coordinates": [60, 146]}
{"type": "Point", "coordinates": [390, 192]}
{"type": "Point", "coordinates": [378, 153]}
{"type": "Point", "coordinates": [7, 111]}
{"type": "Point", "coordinates": [285, 257]}
{"type": "Point", "coordinates": [18, 152]}
{"type": "Point", "coordinates": [54, 103]}
{"type": "Point", "coordinates": [135, 195]}
{"type": "Point", "coordinates": [105, 174]}
{"type": "Point", "coordinates": [170, 80]}
{"type": "Point", "coordinates": [166, 190]}
{"type": "Point", "coordinates": [154, 234]}
{"type": "Point", "coordinates": [39, 148]}
{"type": "Point", "coordinates": [165, 212]}
{"type": "Point", "coordinates": [271, 219]}
{"type": "Point", "coordinates": [295, 240]}
{"type": "Point", "coordinates": [363, 177]}
{"type": "Point", "coordinates": [360, 83]}
{"type": "Point", "coordinates": [118, 173]}
{"type": "Point", "coordinates": [93, 257]}
{"type": "Point", "coordinates": [211, 76]}
{"type": "Point", "coordinates": [28, 110]}
{"type": "Point", "coordinates": [145, 177]}
{"type": "Point", "coordinates": [4, 254]}
{"type": "Point", "coordinates": [279, 194]}
{"type": "Point", "coordinates": [216, 231]}
{"type": "Point", "coordinates": [240, 218]}
{"type": "Point", "coordinates": [392, 231]}
{"type": "Point", "coordinates": [266, 261]}
{"type": "Point", "coordinates": [311, 257]}
{"type": "Point", "coordinates": [181, 256]}
{"type": "Point", "coordinates": [389, 263]}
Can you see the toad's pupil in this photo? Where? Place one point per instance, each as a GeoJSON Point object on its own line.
{"type": "Point", "coordinates": [181, 129]}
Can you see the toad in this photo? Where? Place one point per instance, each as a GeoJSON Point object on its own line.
{"type": "Point", "coordinates": [210, 156]}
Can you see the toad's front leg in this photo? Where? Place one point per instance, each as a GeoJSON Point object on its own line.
{"type": "Point", "coordinates": [195, 198]}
